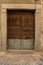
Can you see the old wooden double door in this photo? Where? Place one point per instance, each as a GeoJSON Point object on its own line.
{"type": "Point", "coordinates": [20, 29]}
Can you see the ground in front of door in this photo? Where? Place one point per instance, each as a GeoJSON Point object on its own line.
{"type": "Point", "coordinates": [21, 59]}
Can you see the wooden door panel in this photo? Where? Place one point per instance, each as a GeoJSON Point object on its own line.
{"type": "Point", "coordinates": [14, 33]}
{"type": "Point", "coordinates": [21, 25]}
{"type": "Point", "coordinates": [24, 19]}
{"type": "Point", "coordinates": [16, 21]}
{"type": "Point", "coordinates": [14, 26]}
{"type": "Point", "coordinates": [27, 27]}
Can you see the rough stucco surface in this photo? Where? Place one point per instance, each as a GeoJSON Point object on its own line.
{"type": "Point", "coordinates": [20, 59]}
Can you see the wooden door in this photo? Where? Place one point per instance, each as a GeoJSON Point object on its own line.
{"type": "Point", "coordinates": [20, 29]}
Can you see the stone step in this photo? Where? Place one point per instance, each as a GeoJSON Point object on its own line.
{"type": "Point", "coordinates": [20, 59]}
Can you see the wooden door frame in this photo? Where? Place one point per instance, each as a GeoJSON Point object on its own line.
{"type": "Point", "coordinates": [36, 7]}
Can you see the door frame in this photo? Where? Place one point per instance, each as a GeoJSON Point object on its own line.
{"type": "Point", "coordinates": [36, 7]}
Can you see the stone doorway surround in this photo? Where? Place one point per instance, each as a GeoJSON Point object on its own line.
{"type": "Point", "coordinates": [36, 7]}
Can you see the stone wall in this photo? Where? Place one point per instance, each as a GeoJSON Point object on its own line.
{"type": "Point", "coordinates": [20, 1]}
{"type": "Point", "coordinates": [24, 2]}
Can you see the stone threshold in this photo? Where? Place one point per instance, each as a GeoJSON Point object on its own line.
{"type": "Point", "coordinates": [22, 52]}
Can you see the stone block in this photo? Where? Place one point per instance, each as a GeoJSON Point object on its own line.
{"type": "Point", "coordinates": [18, 1]}
{"type": "Point", "coordinates": [38, 1]}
